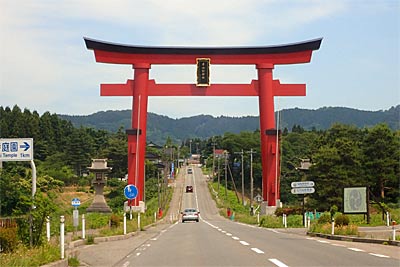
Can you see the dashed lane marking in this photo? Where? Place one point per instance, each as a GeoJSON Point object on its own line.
{"type": "Point", "coordinates": [278, 263]}
{"type": "Point", "coordinates": [357, 249]}
{"type": "Point", "coordinates": [244, 243]}
{"type": "Point", "coordinates": [259, 251]}
{"type": "Point", "coordinates": [338, 245]}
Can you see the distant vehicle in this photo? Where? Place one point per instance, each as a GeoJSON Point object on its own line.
{"type": "Point", "coordinates": [189, 189]}
{"type": "Point", "coordinates": [189, 171]}
{"type": "Point", "coordinates": [190, 215]}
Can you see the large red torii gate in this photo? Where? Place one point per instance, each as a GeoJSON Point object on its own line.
{"type": "Point", "coordinates": [140, 88]}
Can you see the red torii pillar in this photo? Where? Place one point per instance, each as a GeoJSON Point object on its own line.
{"type": "Point", "coordinates": [265, 88]}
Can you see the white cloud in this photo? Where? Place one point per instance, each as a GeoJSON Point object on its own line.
{"type": "Point", "coordinates": [45, 65]}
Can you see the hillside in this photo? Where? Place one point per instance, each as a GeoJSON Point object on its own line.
{"type": "Point", "coordinates": [159, 127]}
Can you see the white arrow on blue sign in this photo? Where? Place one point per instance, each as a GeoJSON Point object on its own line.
{"type": "Point", "coordinates": [130, 191]}
{"type": "Point", "coordinates": [16, 149]}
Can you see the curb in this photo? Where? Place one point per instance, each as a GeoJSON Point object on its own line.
{"type": "Point", "coordinates": [70, 248]}
{"type": "Point", "coordinates": [356, 239]}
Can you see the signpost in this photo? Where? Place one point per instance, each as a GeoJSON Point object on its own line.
{"type": "Point", "coordinates": [303, 187]}
{"type": "Point", "coordinates": [302, 184]}
{"type": "Point", "coordinates": [20, 149]}
{"type": "Point", "coordinates": [303, 190]}
{"type": "Point", "coordinates": [75, 202]}
{"type": "Point", "coordinates": [130, 191]}
{"type": "Point", "coordinates": [75, 213]}
{"type": "Point", "coordinates": [16, 149]}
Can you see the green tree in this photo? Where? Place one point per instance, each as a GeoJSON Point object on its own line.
{"type": "Point", "coordinates": [337, 164]}
{"type": "Point", "coordinates": [79, 149]}
{"type": "Point", "coordinates": [116, 151]}
{"type": "Point", "coordinates": [381, 161]}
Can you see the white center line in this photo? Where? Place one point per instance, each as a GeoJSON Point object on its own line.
{"type": "Point", "coordinates": [235, 237]}
{"type": "Point", "coordinates": [228, 234]}
{"type": "Point", "coordinates": [277, 262]}
{"type": "Point", "coordinates": [379, 255]}
{"type": "Point", "coordinates": [338, 245]}
{"type": "Point", "coordinates": [259, 251]}
{"type": "Point", "coordinates": [244, 243]}
{"type": "Point", "coordinates": [357, 249]}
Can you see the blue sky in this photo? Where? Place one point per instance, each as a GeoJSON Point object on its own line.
{"type": "Point", "coordinates": [45, 65]}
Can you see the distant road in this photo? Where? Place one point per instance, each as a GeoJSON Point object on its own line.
{"type": "Point", "coordinates": [216, 241]}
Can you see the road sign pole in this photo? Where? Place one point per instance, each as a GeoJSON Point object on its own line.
{"type": "Point", "coordinates": [48, 228]}
{"type": "Point", "coordinates": [83, 227]}
{"type": "Point", "coordinates": [124, 223]}
{"type": "Point", "coordinates": [138, 221]}
{"type": "Point", "coordinates": [304, 221]}
{"type": "Point", "coordinates": [62, 220]}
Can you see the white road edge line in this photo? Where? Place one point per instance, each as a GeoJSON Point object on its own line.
{"type": "Point", "coordinates": [244, 243]}
{"type": "Point", "coordinates": [126, 264]}
{"type": "Point", "coordinates": [278, 263]}
{"type": "Point", "coordinates": [379, 255]}
{"type": "Point", "coordinates": [259, 251]}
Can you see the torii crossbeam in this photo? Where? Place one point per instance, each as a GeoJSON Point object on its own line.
{"type": "Point", "coordinates": [265, 88]}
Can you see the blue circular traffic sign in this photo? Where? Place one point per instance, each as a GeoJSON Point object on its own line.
{"type": "Point", "coordinates": [75, 202]}
{"type": "Point", "coordinates": [130, 191]}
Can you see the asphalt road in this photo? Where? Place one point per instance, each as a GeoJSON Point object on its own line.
{"type": "Point", "coordinates": [216, 241]}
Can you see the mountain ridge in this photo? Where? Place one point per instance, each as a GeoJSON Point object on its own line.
{"type": "Point", "coordinates": [159, 127]}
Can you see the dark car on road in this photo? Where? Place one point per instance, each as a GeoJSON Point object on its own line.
{"type": "Point", "coordinates": [189, 189]}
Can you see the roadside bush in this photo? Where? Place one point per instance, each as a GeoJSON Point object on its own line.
{"type": "Point", "coordinates": [342, 220]}
{"type": "Point", "coordinates": [288, 211]}
{"type": "Point", "coordinates": [115, 220]}
{"type": "Point", "coordinates": [325, 218]}
{"type": "Point", "coordinates": [269, 221]}
{"type": "Point", "coordinates": [8, 239]}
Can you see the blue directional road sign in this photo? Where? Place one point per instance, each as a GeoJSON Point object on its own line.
{"type": "Point", "coordinates": [16, 149]}
{"type": "Point", "coordinates": [130, 191]}
{"type": "Point", "coordinates": [75, 202]}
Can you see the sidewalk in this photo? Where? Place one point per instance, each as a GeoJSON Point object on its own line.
{"type": "Point", "coordinates": [98, 254]}
{"type": "Point", "coordinates": [376, 235]}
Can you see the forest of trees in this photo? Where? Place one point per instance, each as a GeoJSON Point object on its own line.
{"type": "Point", "coordinates": [160, 127]}
{"type": "Point", "coordinates": [341, 156]}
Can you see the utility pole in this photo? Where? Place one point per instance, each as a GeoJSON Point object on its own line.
{"type": "Point", "coordinates": [241, 153]}
{"type": "Point", "coordinates": [251, 178]}
{"type": "Point", "coordinates": [226, 175]}
{"type": "Point", "coordinates": [219, 178]}
{"type": "Point", "coordinates": [213, 166]}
